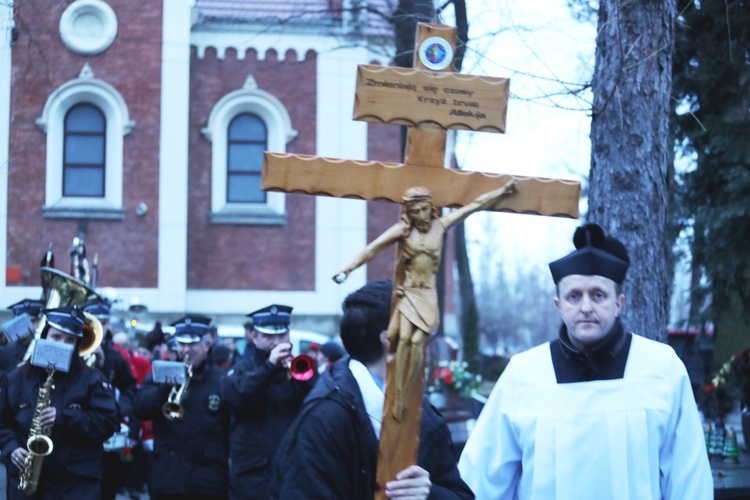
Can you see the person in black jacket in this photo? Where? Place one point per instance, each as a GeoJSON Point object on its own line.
{"type": "Point", "coordinates": [116, 370]}
{"type": "Point", "coordinates": [263, 399]}
{"type": "Point", "coordinates": [81, 416]}
{"type": "Point", "coordinates": [331, 449]}
{"type": "Point", "coordinates": [12, 354]}
{"type": "Point", "coordinates": [191, 452]}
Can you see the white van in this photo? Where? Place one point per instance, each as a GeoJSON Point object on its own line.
{"type": "Point", "coordinates": [300, 339]}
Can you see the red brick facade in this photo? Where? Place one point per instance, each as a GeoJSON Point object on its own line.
{"type": "Point", "coordinates": [41, 63]}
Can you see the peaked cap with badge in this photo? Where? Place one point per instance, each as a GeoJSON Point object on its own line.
{"type": "Point", "coordinates": [596, 254]}
{"type": "Point", "coordinates": [32, 307]}
{"type": "Point", "coordinates": [191, 329]}
{"type": "Point", "coordinates": [98, 308]}
{"type": "Point", "coordinates": [272, 320]}
{"type": "Point", "coordinates": [68, 319]}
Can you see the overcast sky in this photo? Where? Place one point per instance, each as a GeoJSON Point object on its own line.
{"type": "Point", "coordinates": [546, 54]}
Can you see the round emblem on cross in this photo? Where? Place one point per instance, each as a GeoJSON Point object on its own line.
{"type": "Point", "coordinates": [435, 53]}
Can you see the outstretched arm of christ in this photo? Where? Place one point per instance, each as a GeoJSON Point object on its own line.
{"type": "Point", "coordinates": [389, 237]}
{"type": "Point", "coordinates": [480, 203]}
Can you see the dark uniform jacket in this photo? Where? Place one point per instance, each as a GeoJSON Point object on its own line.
{"type": "Point", "coordinates": [331, 449]}
{"type": "Point", "coordinates": [263, 401]}
{"type": "Point", "coordinates": [86, 417]}
{"type": "Point", "coordinates": [191, 454]}
{"type": "Point", "coordinates": [117, 372]}
{"type": "Point", "coordinates": [10, 355]}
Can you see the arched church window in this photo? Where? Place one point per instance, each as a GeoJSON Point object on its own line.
{"type": "Point", "coordinates": [246, 143]}
{"type": "Point", "coordinates": [242, 126]}
{"type": "Point", "coordinates": [84, 149]}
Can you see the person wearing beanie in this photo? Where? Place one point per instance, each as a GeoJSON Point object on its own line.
{"type": "Point", "coordinates": [598, 412]}
{"type": "Point", "coordinates": [328, 354]}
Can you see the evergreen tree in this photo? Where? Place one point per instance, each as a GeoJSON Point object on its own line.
{"type": "Point", "coordinates": [711, 123]}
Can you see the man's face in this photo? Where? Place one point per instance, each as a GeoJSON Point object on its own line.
{"type": "Point", "coordinates": [266, 342]}
{"type": "Point", "coordinates": [420, 213]}
{"type": "Point", "coordinates": [195, 352]}
{"type": "Point", "coordinates": [56, 335]}
{"type": "Point", "coordinates": [144, 353]}
{"type": "Point", "coordinates": [589, 306]}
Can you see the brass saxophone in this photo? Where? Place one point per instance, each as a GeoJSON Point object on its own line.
{"type": "Point", "coordinates": [173, 409]}
{"type": "Point", "coordinates": [39, 444]}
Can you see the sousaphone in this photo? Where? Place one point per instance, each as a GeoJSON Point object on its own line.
{"type": "Point", "coordinates": [63, 290]}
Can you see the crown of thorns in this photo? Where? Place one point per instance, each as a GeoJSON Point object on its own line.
{"type": "Point", "coordinates": [417, 194]}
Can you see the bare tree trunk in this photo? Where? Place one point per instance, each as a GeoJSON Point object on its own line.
{"type": "Point", "coordinates": [631, 148]}
{"type": "Point", "coordinates": [469, 312]}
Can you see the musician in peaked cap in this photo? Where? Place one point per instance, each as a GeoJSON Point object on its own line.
{"type": "Point", "coordinates": [12, 354]}
{"type": "Point", "coordinates": [82, 414]}
{"type": "Point", "coordinates": [116, 370]}
{"type": "Point", "coordinates": [596, 413]}
{"type": "Point", "coordinates": [263, 399]}
{"type": "Point", "coordinates": [191, 451]}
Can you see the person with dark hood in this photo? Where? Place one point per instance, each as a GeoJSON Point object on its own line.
{"type": "Point", "coordinates": [328, 354]}
{"type": "Point", "coordinates": [263, 398]}
{"type": "Point", "coordinates": [331, 449]}
{"type": "Point", "coordinates": [79, 415]}
{"type": "Point", "coordinates": [598, 412]}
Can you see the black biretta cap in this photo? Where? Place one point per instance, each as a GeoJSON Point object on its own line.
{"type": "Point", "coordinates": [596, 254]}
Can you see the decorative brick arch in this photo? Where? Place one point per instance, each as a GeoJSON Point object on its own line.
{"type": "Point", "coordinates": [249, 99]}
{"type": "Point", "coordinates": [85, 89]}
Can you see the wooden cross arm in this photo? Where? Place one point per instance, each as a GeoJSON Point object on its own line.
{"type": "Point", "coordinates": [371, 180]}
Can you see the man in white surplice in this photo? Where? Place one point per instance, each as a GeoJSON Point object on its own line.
{"type": "Point", "coordinates": [597, 413]}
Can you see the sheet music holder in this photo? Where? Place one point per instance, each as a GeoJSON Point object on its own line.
{"type": "Point", "coordinates": [56, 354]}
{"type": "Point", "coordinates": [168, 372]}
{"type": "Point", "coordinates": [19, 327]}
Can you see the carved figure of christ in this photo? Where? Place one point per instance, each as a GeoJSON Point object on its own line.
{"type": "Point", "coordinates": [415, 315]}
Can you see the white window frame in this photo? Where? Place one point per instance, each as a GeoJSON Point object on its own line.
{"type": "Point", "coordinates": [249, 99]}
{"type": "Point", "coordinates": [87, 89]}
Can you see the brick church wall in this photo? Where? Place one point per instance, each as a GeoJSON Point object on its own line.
{"type": "Point", "coordinates": [41, 63]}
{"type": "Point", "coordinates": [251, 257]}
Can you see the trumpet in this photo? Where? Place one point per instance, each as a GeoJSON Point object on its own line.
{"type": "Point", "coordinates": [172, 408]}
{"type": "Point", "coordinates": [301, 367]}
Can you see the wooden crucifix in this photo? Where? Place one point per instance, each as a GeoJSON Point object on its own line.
{"type": "Point", "coordinates": [429, 99]}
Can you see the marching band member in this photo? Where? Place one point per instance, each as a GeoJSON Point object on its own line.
{"type": "Point", "coordinates": [191, 448]}
{"type": "Point", "coordinates": [116, 370]}
{"type": "Point", "coordinates": [11, 355]}
{"type": "Point", "coordinates": [81, 415]}
{"type": "Point", "coordinates": [263, 399]}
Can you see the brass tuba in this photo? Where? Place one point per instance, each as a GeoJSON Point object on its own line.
{"type": "Point", "coordinates": [64, 290]}
{"type": "Point", "coordinates": [172, 408]}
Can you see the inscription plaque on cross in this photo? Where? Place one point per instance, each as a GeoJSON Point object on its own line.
{"type": "Point", "coordinates": [429, 99]}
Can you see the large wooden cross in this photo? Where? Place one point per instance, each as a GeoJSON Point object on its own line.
{"type": "Point", "coordinates": [429, 99]}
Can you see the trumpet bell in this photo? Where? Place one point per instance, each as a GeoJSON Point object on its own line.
{"type": "Point", "coordinates": [172, 410]}
{"type": "Point", "coordinates": [302, 368]}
